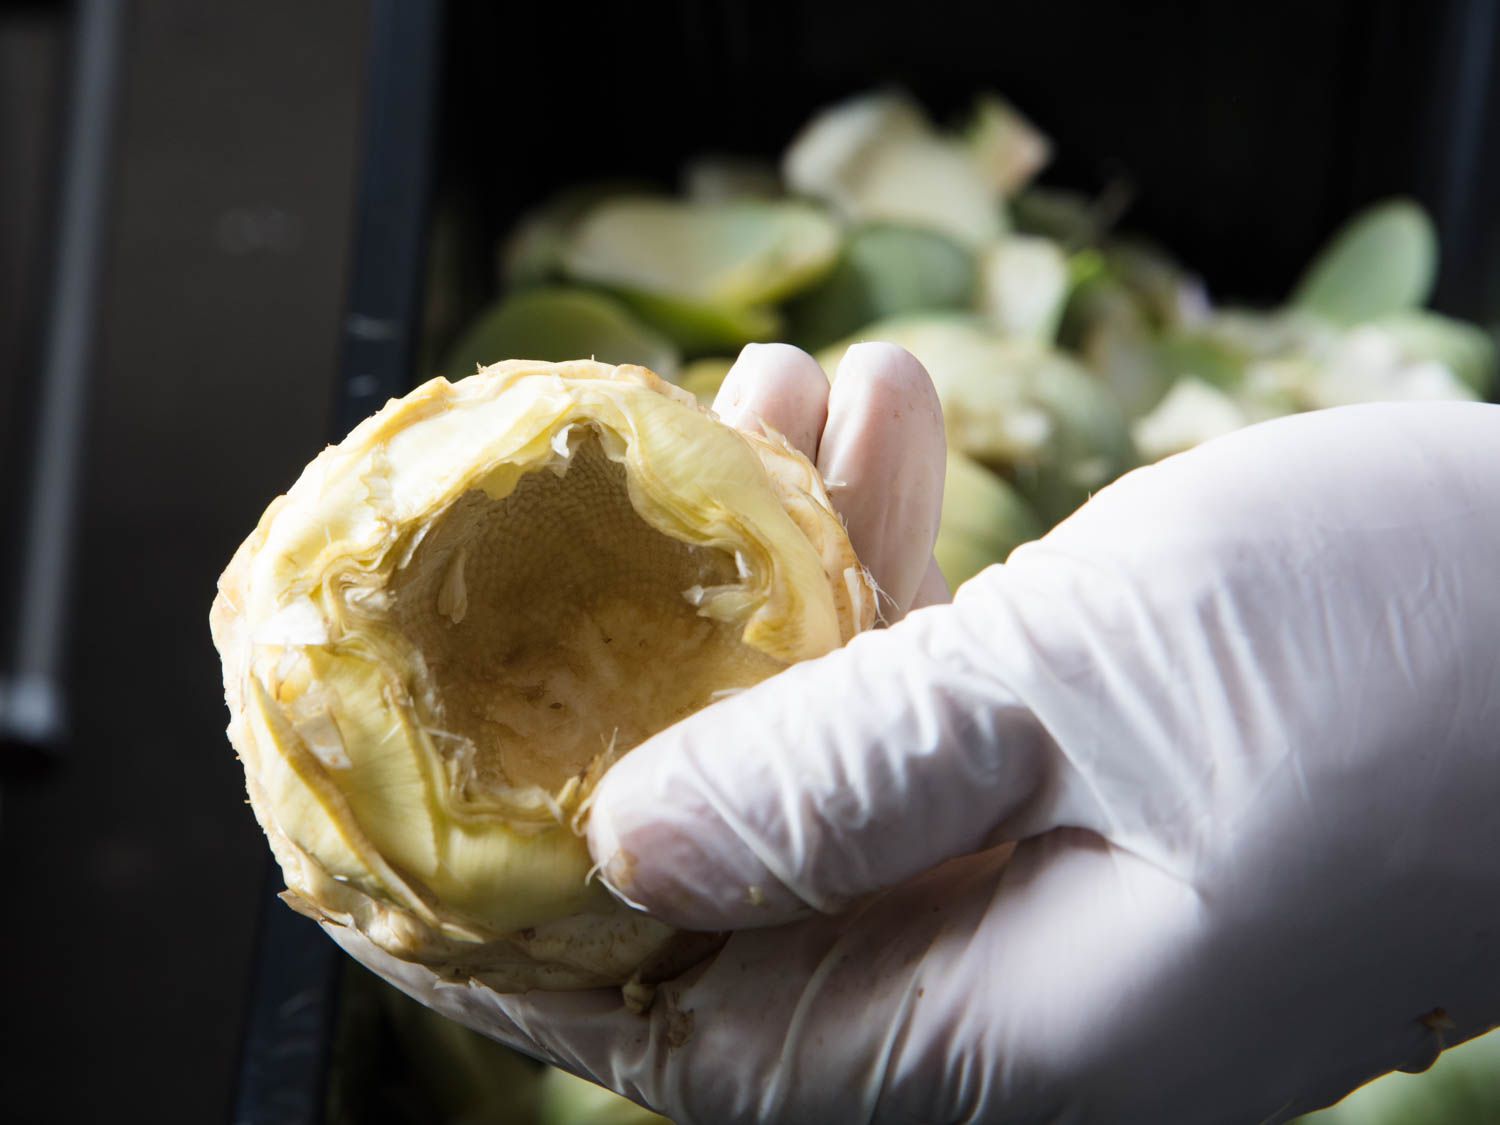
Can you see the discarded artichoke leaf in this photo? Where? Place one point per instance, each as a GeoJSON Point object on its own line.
{"type": "Point", "coordinates": [532, 253]}
{"type": "Point", "coordinates": [1295, 360]}
{"type": "Point", "coordinates": [704, 377]}
{"type": "Point", "coordinates": [1140, 322]}
{"type": "Point", "coordinates": [567, 1099]}
{"type": "Point", "coordinates": [1023, 287]}
{"type": "Point", "coordinates": [703, 272]}
{"type": "Point", "coordinates": [555, 324]}
{"type": "Point", "coordinates": [928, 183]}
{"type": "Point", "coordinates": [1465, 349]}
{"type": "Point", "coordinates": [1172, 298]}
{"type": "Point", "coordinates": [984, 519]}
{"type": "Point", "coordinates": [1365, 364]}
{"type": "Point", "coordinates": [1091, 445]}
{"type": "Point", "coordinates": [697, 327]}
{"type": "Point", "coordinates": [1104, 325]}
{"type": "Point", "coordinates": [1259, 334]}
{"type": "Point", "coordinates": [831, 149]}
{"type": "Point", "coordinates": [1192, 412]}
{"type": "Point", "coordinates": [1382, 261]}
{"type": "Point", "coordinates": [441, 637]}
{"type": "Point", "coordinates": [1007, 148]}
{"type": "Point", "coordinates": [1201, 356]}
{"type": "Point", "coordinates": [1283, 361]}
{"type": "Point", "coordinates": [884, 271]}
{"type": "Point", "coordinates": [875, 158]}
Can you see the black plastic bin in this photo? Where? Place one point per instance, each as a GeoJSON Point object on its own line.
{"type": "Point", "coordinates": [1246, 133]}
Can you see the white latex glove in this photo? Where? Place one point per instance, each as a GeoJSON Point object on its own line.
{"type": "Point", "coordinates": [1240, 716]}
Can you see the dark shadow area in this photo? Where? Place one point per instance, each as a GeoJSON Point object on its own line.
{"type": "Point", "coordinates": [134, 868]}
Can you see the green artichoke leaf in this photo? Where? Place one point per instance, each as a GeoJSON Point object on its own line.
{"type": "Point", "coordinates": [1172, 297]}
{"type": "Point", "coordinates": [1202, 356]}
{"type": "Point", "coordinates": [558, 324]}
{"type": "Point", "coordinates": [983, 520]}
{"type": "Point", "coordinates": [1192, 412]}
{"type": "Point", "coordinates": [736, 254]}
{"type": "Point", "coordinates": [705, 274]}
{"type": "Point", "coordinates": [884, 271]}
{"type": "Point", "coordinates": [876, 158]}
{"type": "Point", "coordinates": [532, 253]}
{"type": "Point", "coordinates": [700, 328]}
{"type": "Point", "coordinates": [1008, 149]}
{"type": "Point", "coordinates": [703, 377]}
{"type": "Point", "coordinates": [1382, 261]}
{"type": "Point", "coordinates": [1023, 286]}
{"type": "Point", "coordinates": [1465, 349]}
{"type": "Point", "coordinates": [1105, 327]}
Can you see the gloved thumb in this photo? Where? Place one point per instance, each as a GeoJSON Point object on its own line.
{"type": "Point", "coordinates": [835, 778]}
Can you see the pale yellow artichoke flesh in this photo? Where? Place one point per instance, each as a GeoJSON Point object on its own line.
{"type": "Point", "coordinates": [546, 655]}
{"type": "Point", "coordinates": [437, 642]}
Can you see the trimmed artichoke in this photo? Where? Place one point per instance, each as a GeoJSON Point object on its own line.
{"type": "Point", "coordinates": [437, 642]}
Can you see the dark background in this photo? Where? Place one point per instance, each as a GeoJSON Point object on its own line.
{"type": "Point", "coordinates": [132, 870]}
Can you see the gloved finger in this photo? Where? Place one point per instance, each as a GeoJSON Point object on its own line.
{"type": "Point", "coordinates": [777, 387]}
{"type": "Point", "coordinates": [883, 459]}
{"type": "Point", "coordinates": [933, 589]}
{"type": "Point", "coordinates": [834, 778]}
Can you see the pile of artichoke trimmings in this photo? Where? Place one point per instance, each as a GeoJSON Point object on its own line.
{"type": "Point", "coordinates": [1064, 354]}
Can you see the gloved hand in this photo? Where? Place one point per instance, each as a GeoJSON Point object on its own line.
{"type": "Point", "coordinates": [1187, 813]}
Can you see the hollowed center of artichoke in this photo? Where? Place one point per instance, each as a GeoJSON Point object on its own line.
{"type": "Point", "coordinates": [555, 626]}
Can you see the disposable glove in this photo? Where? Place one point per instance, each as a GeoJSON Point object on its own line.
{"type": "Point", "coordinates": [1187, 813]}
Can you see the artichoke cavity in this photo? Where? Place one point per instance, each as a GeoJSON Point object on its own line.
{"type": "Point", "coordinates": [556, 627]}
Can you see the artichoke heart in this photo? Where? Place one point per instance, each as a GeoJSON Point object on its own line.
{"type": "Point", "coordinates": [437, 642]}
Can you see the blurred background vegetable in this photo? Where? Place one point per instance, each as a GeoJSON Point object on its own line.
{"type": "Point", "coordinates": [1064, 352]}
